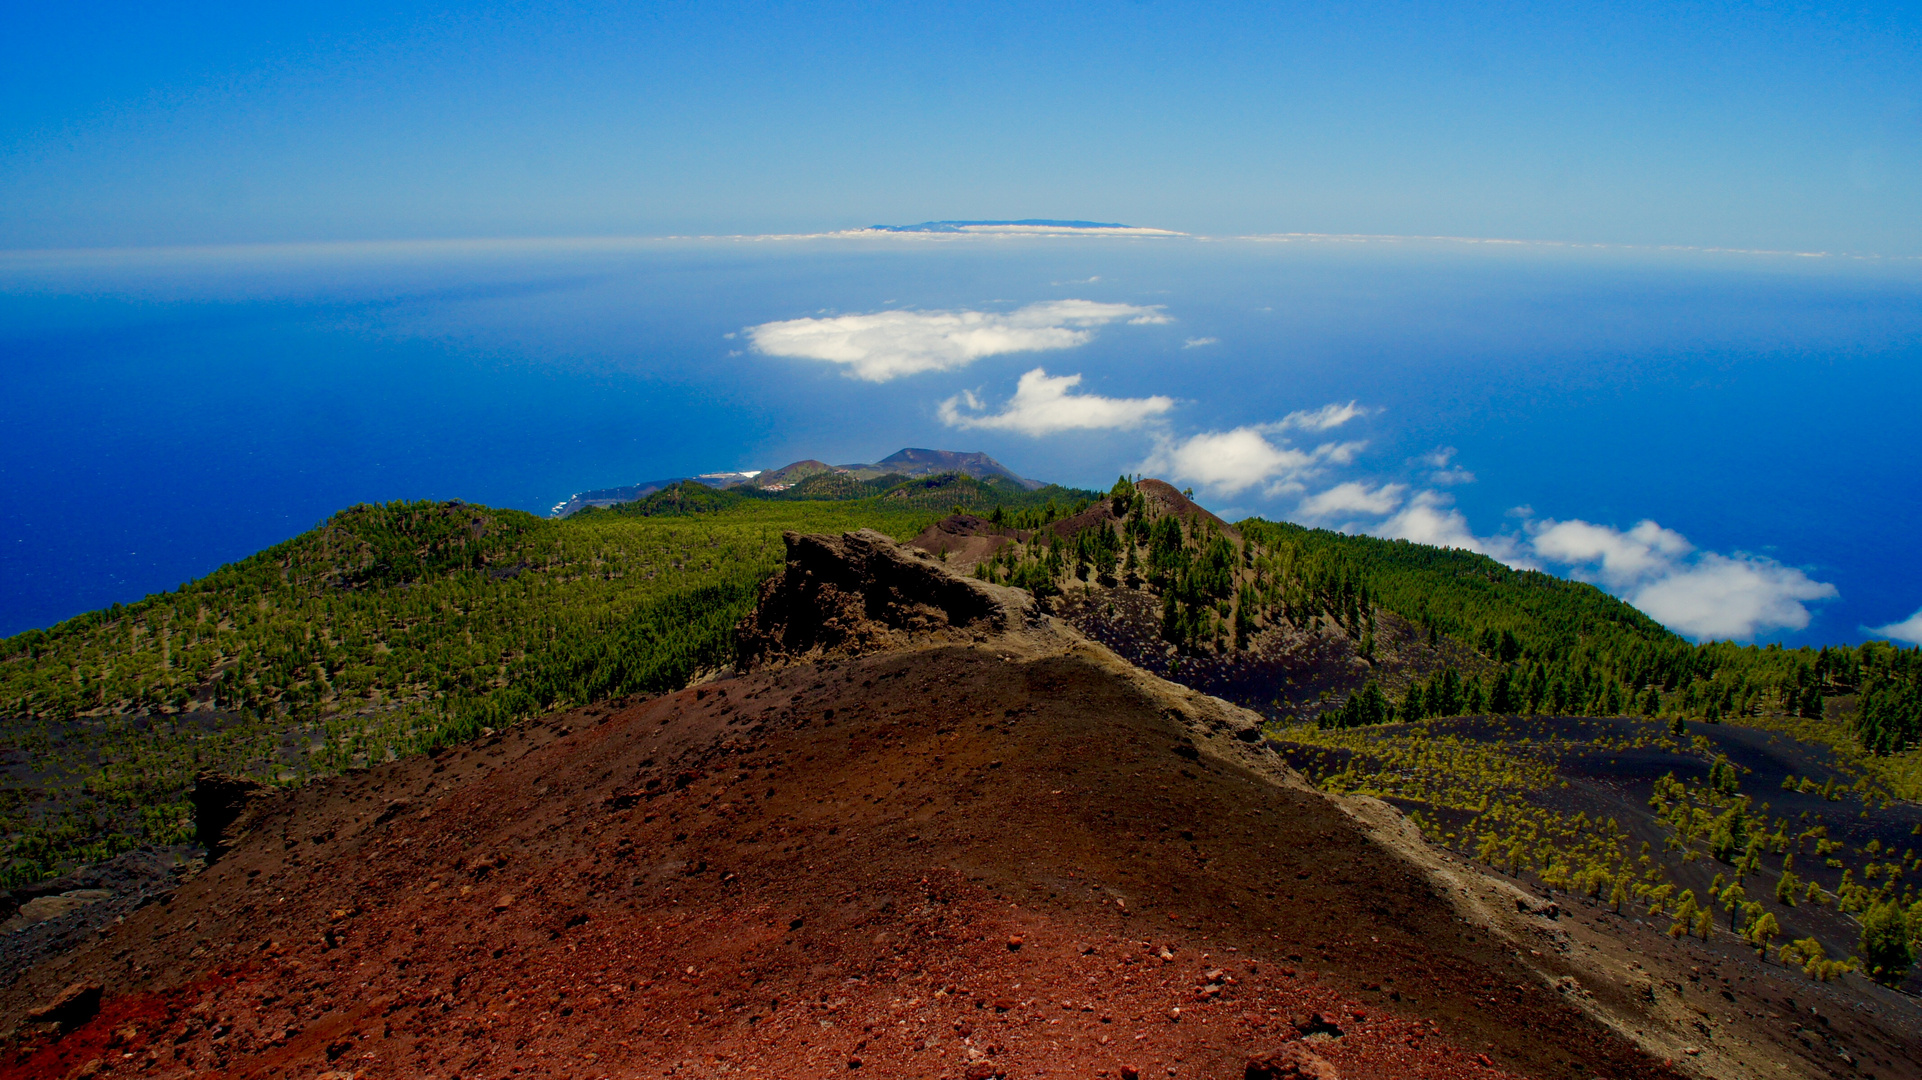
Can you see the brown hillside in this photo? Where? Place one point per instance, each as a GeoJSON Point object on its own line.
{"type": "Point", "coordinates": [1163, 498]}
{"type": "Point", "coordinates": [790, 474]}
{"type": "Point", "coordinates": [963, 540]}
{"type": "Point", "coordinates": [991, 849]}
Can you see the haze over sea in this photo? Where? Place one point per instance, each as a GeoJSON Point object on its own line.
{"type": "Point", "coordinates": [171, 410]}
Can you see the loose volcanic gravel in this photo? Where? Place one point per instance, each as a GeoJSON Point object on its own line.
{"type": "Point", "coordinates": [945, 863]}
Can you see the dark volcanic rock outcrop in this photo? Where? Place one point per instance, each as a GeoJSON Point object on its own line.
{"type": "Point", "coordinates": [221, 803]}
{"type": "Point", "coordinates": [861, 592]}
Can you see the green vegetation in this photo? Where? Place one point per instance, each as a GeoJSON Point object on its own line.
{"type": "Point", "coordinates": [386, 631]}
{"type": "Point", "coordinates": [1492, 789]}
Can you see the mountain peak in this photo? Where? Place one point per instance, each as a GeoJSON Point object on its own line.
{"type": "Point", "coordinates": [919, 461]}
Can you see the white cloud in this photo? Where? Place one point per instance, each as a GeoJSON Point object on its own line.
{"type": "Point", "coordinates": [1719, 596]}
{"type": "Point", "coordinates": [1042, 404]}
{"type": "Point", "coordinates": [884, 345]}
{"type": "Point", "coordinates": [1230, 462]}
{"type": "Point", "coordinates": [1700, 594]}
{"type": "Point", "coordinates": [1444, 475]}
{"type": "Point", "coordinates": [1322, 419]}
{"type": "Point", "coordinates": [1198, 342]}
{"type": "Point", "coordinates": [1625, 557]}
{"type": "Point", "coordinates": [1352, 497]}
{"type": "Point", "coordinates": [1430, 519]}
{"type": "Point", "coordinates": [1909, 629]}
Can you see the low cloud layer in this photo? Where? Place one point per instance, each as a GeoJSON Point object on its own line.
{"type": "Point", "coordinates": [1044, 404]}
{"type": "Point", "coordinates": [886, 345]}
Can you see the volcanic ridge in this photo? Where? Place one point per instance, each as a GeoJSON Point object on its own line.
{"type": "Point", "coordinates": [923, 829]}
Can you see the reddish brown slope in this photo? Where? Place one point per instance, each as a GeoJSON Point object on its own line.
{"type": "Point", "coordinates": [974, 859]}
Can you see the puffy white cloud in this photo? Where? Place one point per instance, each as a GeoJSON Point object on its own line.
{"type": "Point", "coordinates": [1734, 597]}
{"type": "Point", "coordinates": [1700, 594]}
{"type": "Point", "coordinates": [885, 345]}
{"type": "Point", "coordinates": [1430, 519]}
{"type": "Point", "coordinates": [1909, 629]}
{"type": "Point", "coordinates": [1230, 462]}
{"type": "Point", "coordinates": [1353, 497]}
{"type": "Point", "coordinates": [1043, 404]}
{"type": "Point", "coordinates": [1624, 557]}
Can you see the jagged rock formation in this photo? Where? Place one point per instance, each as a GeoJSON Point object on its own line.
{"type": "Point", "coordinates": [861, 592]}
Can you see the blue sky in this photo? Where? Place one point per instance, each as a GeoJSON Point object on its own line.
{"type": "Point", "coordinates": [1765, 126]}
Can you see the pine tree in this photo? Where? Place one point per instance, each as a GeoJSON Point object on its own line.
{"type": "Point", "coordinates": [1886, 948]}
{"type": "Point", "coordinates": [1732, 900]}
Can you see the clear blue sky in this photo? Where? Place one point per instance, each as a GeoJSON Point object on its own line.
{"type": "Point", "coordinates": [1772, 126]}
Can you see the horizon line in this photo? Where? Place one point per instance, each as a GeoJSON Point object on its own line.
{"type": "Point", "coordinates": [483, 244]}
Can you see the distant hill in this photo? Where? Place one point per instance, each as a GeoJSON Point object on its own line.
{"type": "Point", "coordinates": [962, 226]}
{"type": "Point", "coordinates": [917, 462]}
{"type": "Point", "coordinates": [787, 476]}
{"type": "Point", "coordinates": [902, 464]}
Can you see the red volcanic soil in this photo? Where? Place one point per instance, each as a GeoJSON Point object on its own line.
{"type": "Point", "coordinates": [996, 858]}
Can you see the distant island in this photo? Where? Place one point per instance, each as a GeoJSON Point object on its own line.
{"type": "Point", "coordinates": [1023, 225]}
{"type": "Point", "coordinates": [907, 463]}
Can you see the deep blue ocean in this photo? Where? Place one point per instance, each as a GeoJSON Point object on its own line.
{"type": "Point", "coordinates": [166, 412]}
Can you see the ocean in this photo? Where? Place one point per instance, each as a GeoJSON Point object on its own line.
{"type": "Point", "coordinates": [169, 411]}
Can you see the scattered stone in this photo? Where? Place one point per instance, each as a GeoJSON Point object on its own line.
{"type": "Point", "coordinates": [1289, 1063]}
{"type": "Point", "coordinates": [1014, 943]}
{"type": "Point", "coordinates": [1318, 1025]}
